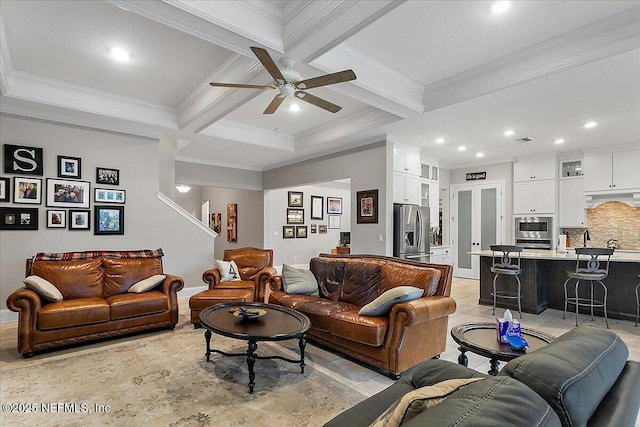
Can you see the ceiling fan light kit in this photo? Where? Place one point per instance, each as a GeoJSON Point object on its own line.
{"type": "Point", "coordinates": [289, 82]}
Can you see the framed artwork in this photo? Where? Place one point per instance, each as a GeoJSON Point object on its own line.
{"type": "Point", "coordinates": [334, 221]}
{"type": "Point", "coordinates": [334, 205]}
{"type": "Point", "coordinates": [5, 189]}
{"type": "Point", "coordinates": [232, 222]}
{"type": "Point", "coordinates": [56, 218]}
{"type": "Point", "coordinates": [322, 229]}
{"type": "Point", "coordinates": [108, 220]}
{"type": "Point", "coordinates": [79, 220]}
{"type": "Point", "coordinates": [367, 205]}
{"type": "Point", "coordinates": [27, 190]}
{"type": "Point", "coordinates": [288, 232]}
{"type": "Point", "coordinates": [301, 232]}
{"type": "Point", "coordinates": [22, 160]}
{"type": "Point", "coordinates": [295, 199]}
{"type": "Point", "coordinates": [69, 167]}
{"type": "Point", "coordinates": [18, 218]}
{"type": "Point", "coordinates": [107, 176]}
{"type": "Point", "coordinates": [295, 216]}
{"type": "Point", "coordinates": [216, 222]}
{"type": "Point", "coordinates": [62, 193]}
{"type": "Point", "coordinates": [105, 195]}
{"type": "Point", "coordinates": [314, 228]}
{"type": "Point", "coordinates": [317, 207]}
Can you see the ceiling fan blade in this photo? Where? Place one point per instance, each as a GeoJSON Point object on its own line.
{"type": "Point", "coordinates": [275, 103]}
{"type": "Point", "coordinates": [264, 57]}
{"type": "Point", "coordinates": [241, 86]}
{"type": "Point", "coordinates": [318, 102]}
{"type": "Point", "coordinates": [327, 79]}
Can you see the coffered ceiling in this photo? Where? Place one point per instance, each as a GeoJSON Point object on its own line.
{"type": "Point", "coordinates": [426, 70]}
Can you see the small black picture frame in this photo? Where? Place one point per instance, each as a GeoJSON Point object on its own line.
{"type": "Point", "coordinates": [288, 232]}
{"type": "Point", "coordinates": [69, 167]}
{"type": "Point", "coordinates": [295, 199]}
{"type": "Point", "coordinates": [108, 220]}
{"type": "Point", "coordinates": [23, 160]}
{"type": "Point", "coordinates": [56, 218]}
{"type": "Point", "coordinates": [107, 176]}
{"type": "Point", "coordinates": [5, 189]}
{"type": "Point", "coordinates": [18, 218]}
{"type": "Point", "coordinates": [295, 216]}
{"type": "Point", "coordinates": [301, 232]}
{"type": "Point", "coordinates": [79, 220]}
{"type": "Point", "coordinates": [317, 207]}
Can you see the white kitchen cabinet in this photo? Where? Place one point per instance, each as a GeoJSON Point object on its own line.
{"type": "Point", "coordinates": [406, 159]}
{"type": "Point", "coordinates": [612, 172]}
{"type": "Point", "coordinates": [440, 255]}
{"type": "Point", "coordinates": [534, 170]}
{"type": "Point", "coordinates": [430, 196]}
{"type": "Point", "coordinates": [572, 203]}
{"type": "Point", "coordinates": [534, 197]}
{"type": "Point", "coordinates": [406, 188]}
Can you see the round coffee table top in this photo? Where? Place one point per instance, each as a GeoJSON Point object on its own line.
{"type": "Point", "coordinates": [279, 323]}
{"type": "Point", "coordinates": [481, 338]}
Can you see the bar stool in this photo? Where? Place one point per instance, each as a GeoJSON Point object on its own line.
{"type": "Point", "coordinates": [637, 301]}
{"type": "Point", "coordinates": [588, 268]}
{"type": "Point", "coordinates": [504, 264]}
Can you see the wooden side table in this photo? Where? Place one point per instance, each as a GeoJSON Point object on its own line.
{"type": "Point", "coordinates": [341, 250]}
{"type": "Point", "coordinates": [480, 338]}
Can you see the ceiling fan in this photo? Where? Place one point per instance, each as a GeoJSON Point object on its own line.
{"type": "Point", "coordinates": [289, 82]}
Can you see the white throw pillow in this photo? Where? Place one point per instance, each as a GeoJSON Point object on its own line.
{"type": "Point", "coordinates": [146, 284]}
{"type": "Point", "coordinates": [297, 281]}
{"type": "Point", "coordinates": [228, 271]}
{"type": "Point", "coordinates": [382, 304]}
{"type": "Point", "coordinates": [44, 288]}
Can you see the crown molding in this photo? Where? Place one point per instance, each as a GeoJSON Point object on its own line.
{"type": "Point", "coordinates": [605, 38]}
{"type": "Point", "coordinates": [29, 87]}
{"type": "Point", "coordinates": [6, 65]}
{"type": "Point", "coordinates": [235, 131]}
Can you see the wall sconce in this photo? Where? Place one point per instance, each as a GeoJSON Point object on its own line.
{"type": "Point", "coordinates": [183, 188]}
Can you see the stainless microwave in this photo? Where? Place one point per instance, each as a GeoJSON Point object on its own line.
{"type": "Point", "coordinates": [534, 232]}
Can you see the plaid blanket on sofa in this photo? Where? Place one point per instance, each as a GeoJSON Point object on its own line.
{"type": "Point", "coordinates": [73, 256]}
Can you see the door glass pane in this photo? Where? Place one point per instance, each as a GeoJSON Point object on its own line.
{"type": "Point", "coordinates": [488, 217]}
{"type": "Point", "coordinates": [464, 229]}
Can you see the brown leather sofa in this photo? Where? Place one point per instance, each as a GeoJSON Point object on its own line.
{"type": "Point", "coordinates": [410, 333]}
{"type": "Point", "coordinates": [255, 267]}
{"type": "Point", "coordinates": [96, 303]}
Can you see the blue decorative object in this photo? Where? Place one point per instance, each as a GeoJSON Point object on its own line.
{"type": "Point", "coordinates": [518, 343]}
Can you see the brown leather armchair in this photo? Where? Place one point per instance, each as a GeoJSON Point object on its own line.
{"type": "Point", "coordinates": [255, 267]}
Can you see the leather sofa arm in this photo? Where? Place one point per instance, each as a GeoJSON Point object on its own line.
{"type": "Point", "coordinates": [212, 277]}
{"type": "Point", "coordinates": [170, 287]}
{"type": "Point", "coordinates": [27, 303]}
{"type": "Point", "coordinates": [422, 310]}
{"type": "Point", "coordinates": [261, 279]}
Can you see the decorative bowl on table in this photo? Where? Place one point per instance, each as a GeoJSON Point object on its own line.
{"type": "Point", "coordinates": [249, 314]}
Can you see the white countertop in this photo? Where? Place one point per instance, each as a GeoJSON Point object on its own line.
{"type": "Point", "coordinates": [621, 255]}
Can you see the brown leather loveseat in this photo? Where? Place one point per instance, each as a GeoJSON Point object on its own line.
{"type": "Point", "coordinates": [96, 302]}
{"type": "Point", "coordinates": [412, 332]}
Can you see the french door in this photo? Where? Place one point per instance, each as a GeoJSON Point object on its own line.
{"type": "Point", "coordinates": [477, 221]}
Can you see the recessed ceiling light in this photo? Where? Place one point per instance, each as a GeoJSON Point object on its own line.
{"type": "Point", "coordinates": [119, 54]}
{"type": "Point", "coordinates": [559, 141]}
{"type": "Point", "coordinates": [294, 107]}
{"type": "Point", "coordinates": [508, 132]}
{"type": "Point", "coordinates": [439, 140]}
{"type": "Point", "coordinates": [500, 6]}
{"type": "Point", "coordinates": [479, 154]}
{"type": "Point", "coordinates": [590, 125]}
{"type": "Point", "coordinates": [462, 148]}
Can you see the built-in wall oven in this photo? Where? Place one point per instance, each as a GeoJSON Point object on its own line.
{"type": "Point", "coordinates": [534, 232]}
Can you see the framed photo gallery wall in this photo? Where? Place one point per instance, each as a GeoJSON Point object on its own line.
{"type": "Point", "coordinates": [327, 209]}
{"type": "Point", "coordinates": [67, 197]}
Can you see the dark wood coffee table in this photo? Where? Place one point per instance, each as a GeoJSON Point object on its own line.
{"type": "Point", "coordinates": [480, 338]}
{"type": "Point", "coordinates": [278, 324]}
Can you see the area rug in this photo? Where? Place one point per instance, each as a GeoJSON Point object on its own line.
{"type": "Point", "coordinates": [163, 379]}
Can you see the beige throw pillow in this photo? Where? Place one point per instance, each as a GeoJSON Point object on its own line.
{"type": "Point", "coordinates": [228, 271]}
{"type": "Point", "coordinates": [146, 284]}
{"type": "Point", "coordinates": [382, 305]}
{"type": "Point", "coordinates": [419, 400]}
{"type": "Point", "coordinates": [44, 288]}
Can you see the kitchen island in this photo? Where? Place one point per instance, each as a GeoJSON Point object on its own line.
{"type": "Point", "coordinates": [544, 272]}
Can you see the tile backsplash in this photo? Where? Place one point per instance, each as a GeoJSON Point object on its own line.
{"type": "Point", "coordinates": [610, 220]}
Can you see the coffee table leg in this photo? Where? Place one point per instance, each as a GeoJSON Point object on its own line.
{"type": "Point", "coordinates": [251, 360]}
{"type": "Point", "coordinates": [462, 359]}
{"type": "Point", "coordinates": [495, 367]}
{"type": "Point", "coordinates": [207, 337]}
{"type": "Point", "coordinates": [302, 342]}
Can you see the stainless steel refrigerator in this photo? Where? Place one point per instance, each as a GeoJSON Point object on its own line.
{"type": "Point", "coordinates": [411, 232]}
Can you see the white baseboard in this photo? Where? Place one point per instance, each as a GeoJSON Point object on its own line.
{"type": "Point", "coordinates": [190, 291]}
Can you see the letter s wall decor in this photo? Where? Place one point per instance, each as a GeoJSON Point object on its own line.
{"type": "Point", "coordinates": [22, 160]}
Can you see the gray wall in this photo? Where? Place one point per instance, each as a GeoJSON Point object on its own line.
{"type": "Point", "coordinates": [217, 176]}
{"type": "Point", "coordinates": [300, 251]}
{"type": "Point", "coordinates": [367, 168]}
{"type": "Point", "coordinates": [149, 223]}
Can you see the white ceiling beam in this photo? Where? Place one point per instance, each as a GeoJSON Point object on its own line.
{"type": "Point", "coordinates": [235, 131]}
